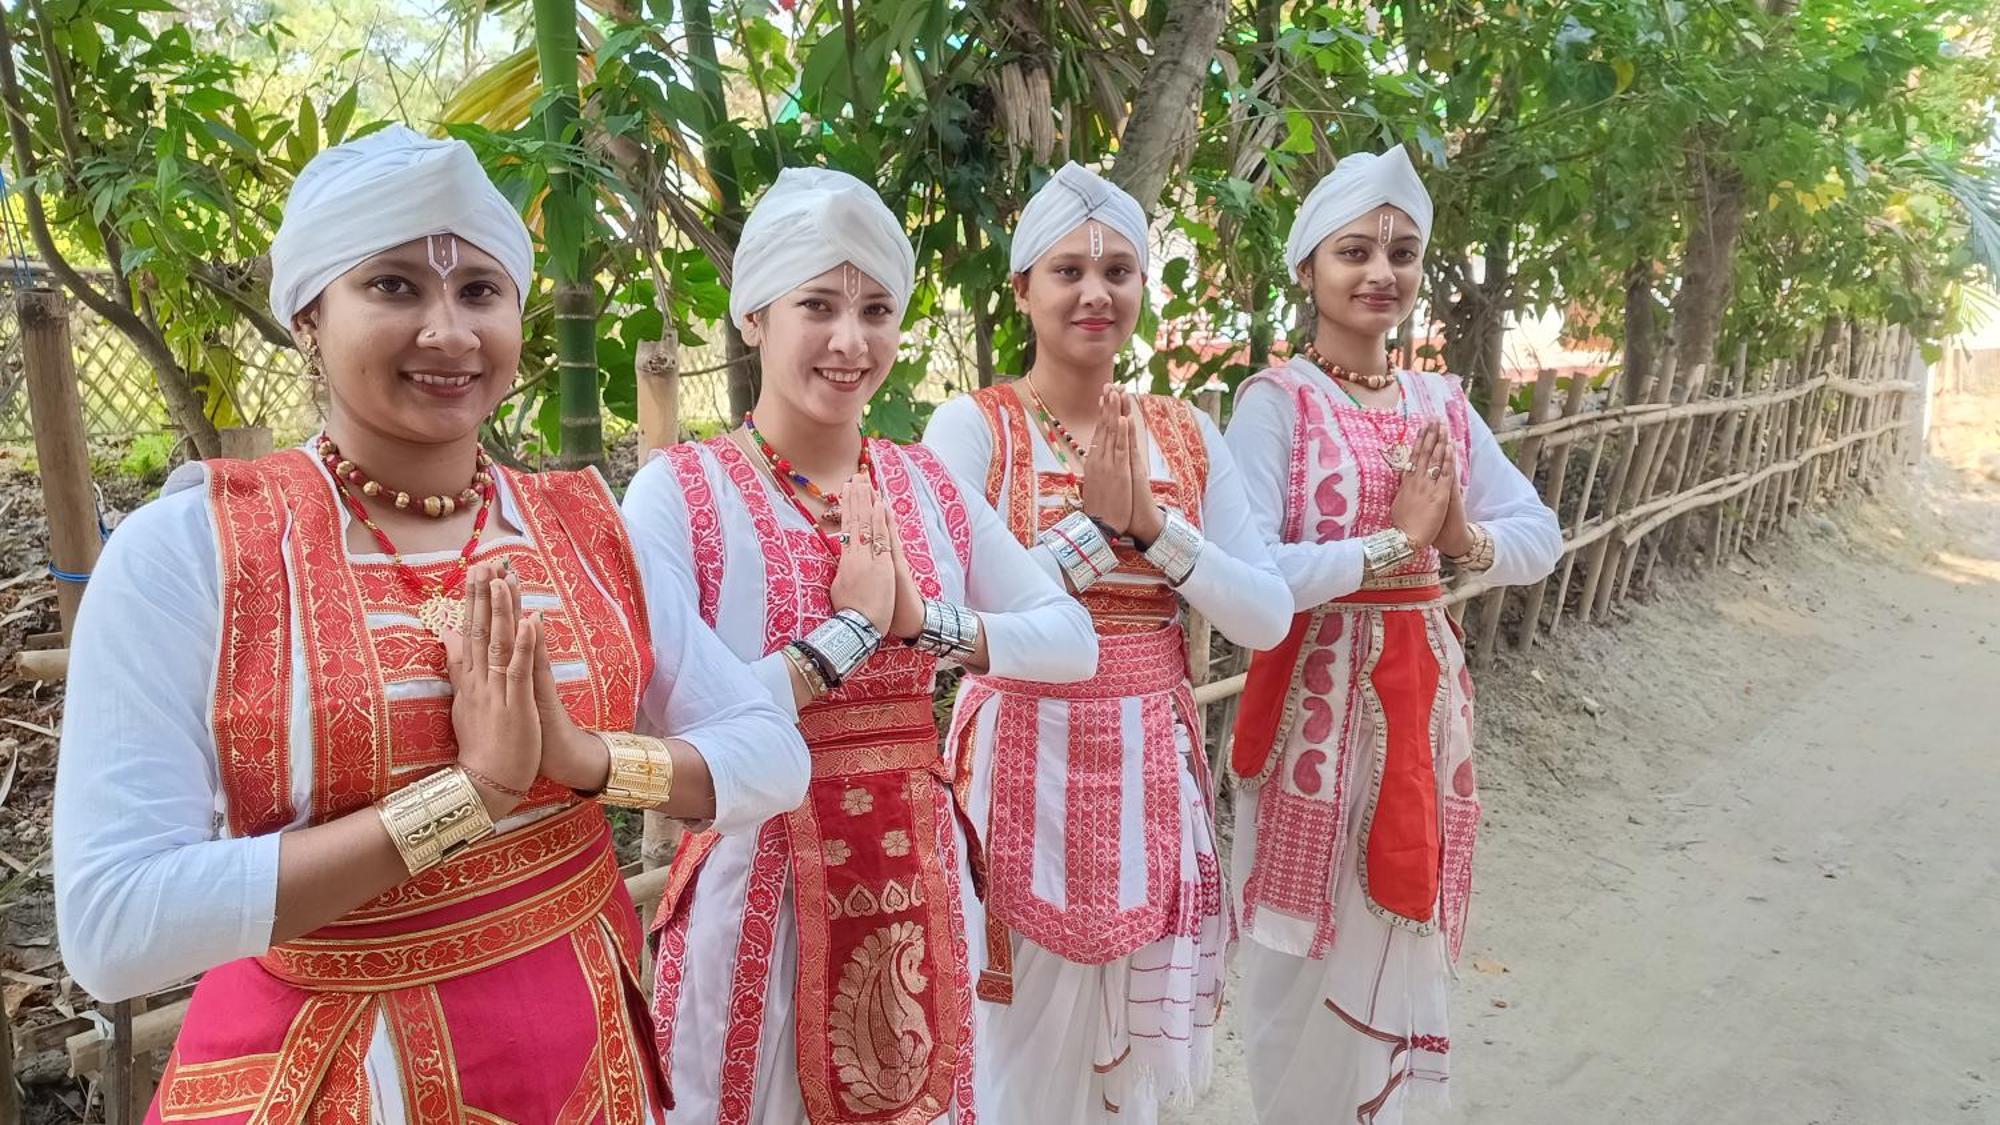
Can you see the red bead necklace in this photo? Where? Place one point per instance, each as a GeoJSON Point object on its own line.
{"type": "Point", "coordinates": [441, 606]}
{"type": "Point", "coordinates": [791, 482]}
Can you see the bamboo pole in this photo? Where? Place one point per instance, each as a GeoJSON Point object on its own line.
{"type": "Point", "coordinates": [245, 443]}
{"type": "Point", "coordinates": [1582, 515]}
{"type": "Point", "coordinates": [1526, 458]}
{"type": "Point", "coordinates": [1672, 435]}
{"type": "Point", "coordinates": [1200, 636]}
{"type": "Point", "coordinates": [60, 445]}
{"type": "Point", "coordinates": [1605, 557]}
{"type": "Point", "coordinates": [1552, 491]}
{"type": "Point", "coordinates": [1487, 629]}
{"type": "Point", "coordinates": [657, 369]}
{"type": "Point", "coordinates": [10, 1093]}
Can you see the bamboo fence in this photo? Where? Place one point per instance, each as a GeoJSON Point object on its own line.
{"type": "Point", "coordinates": [1691, 469]}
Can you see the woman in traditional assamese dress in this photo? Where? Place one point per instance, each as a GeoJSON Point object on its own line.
{"type": "Point", "coordinates": [333, 713]}
{"type": "Point", "coordinates": [1357, 804]}
{"type": "Point", "coordinates": [818, 971]}
{"type": "Point", "coordinates": [1108, 922]}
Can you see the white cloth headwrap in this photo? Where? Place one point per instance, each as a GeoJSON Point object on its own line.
{"type": "Point", "coordinates": [1072, 196]}
{"type": "Point", "coordinates": [810, 221]}
{"type": "Point", "coordinates": [355, 200]}
{"type": "Point", "coordinates": [1357, 185]}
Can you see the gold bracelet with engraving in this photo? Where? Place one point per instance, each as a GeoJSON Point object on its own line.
{"type": "Point", "coordinates": [434, 818]}
{"type": "Point", "coordinates": [642, 770]}
{"type": "Point", "coordinates": [1479, 556]}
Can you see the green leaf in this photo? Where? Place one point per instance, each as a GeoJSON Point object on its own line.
{"type": "Point", "coordinates": [1625, 71]}
{"type": "Point", "coordinates": [340, 113]}
{"type": "Point", "coordinates": [1300, 136]}
{"type": "Point", "coordinates": [230, 137]}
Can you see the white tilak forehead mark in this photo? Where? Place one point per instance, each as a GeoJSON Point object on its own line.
{"type": "Point", "coordinates": [850, 280]}
{"type": "Point", "coordinates": [442, 252]}
{"type": "Point", "coordinates": [1385, 227]}
{"type": "Point", "coordinates": [1096, 240]}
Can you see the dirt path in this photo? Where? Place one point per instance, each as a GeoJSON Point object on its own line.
{"type": "Point", "coordinates": [1750, 872]}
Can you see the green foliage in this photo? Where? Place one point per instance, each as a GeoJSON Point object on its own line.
{"type": "Point", "coordinates": [1569, 146]}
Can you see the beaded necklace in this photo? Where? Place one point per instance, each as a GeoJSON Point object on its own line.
{"type": "Point", "coordinates": [1061, 442]}
{"type": "Point", "coordinates": [442, 605]}
{"type": "Point", "coordinates": [436, 507]}
{"type": "Point", "coordinates": [1370, 380]}
{"type": "Point", "coordinates": [791, 481]}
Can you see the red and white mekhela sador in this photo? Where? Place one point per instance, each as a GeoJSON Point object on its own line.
{"type": "Point", "coordinates": [1357, 805]}
{"type": "Point", "coordinates": [240, 671]}
{"type": "Point", "coordinates": [1095, 797]}
{"type": "Point", "coordinates": [818, 971]}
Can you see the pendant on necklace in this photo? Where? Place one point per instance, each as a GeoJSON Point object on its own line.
{"type": "Point", "coordinates": [441, 611]}
{"type": "Point", "coordinates": [1399, 457]}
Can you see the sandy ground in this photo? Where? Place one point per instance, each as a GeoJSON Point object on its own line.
{"type": "Point", "coordinates": [1742, 858]}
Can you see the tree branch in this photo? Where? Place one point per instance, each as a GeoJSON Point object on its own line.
{"type": "Point", "coordinates": [259, 317]}
{"type": "Point", "coordinates": [181, 401]}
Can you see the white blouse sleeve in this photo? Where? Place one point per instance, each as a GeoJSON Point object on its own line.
{"type": "Point", "coordinates": [1260, 439]}
{"type": "Point", "coordinates": [959, 435]}
{"type": "Point", "coordinates": [1527, 540]}
{"type": "Point", "coordinates": [148, 891]}
{"type": "Point", "coordinates": [743, 723]}
{"type": "Point", "coordinates": [1234, 582]}
{"type": "Point", "coordinates": [1034, 629]}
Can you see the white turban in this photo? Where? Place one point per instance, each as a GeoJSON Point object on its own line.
{"type": "Point", "coordinates": [1357, 185]}
{"type": "Point", "coordinates": [1075, 194]}
{"type": "Point", "coordinates": [355, 200]}
{"type": "Point", "coordinates": [810, 221]}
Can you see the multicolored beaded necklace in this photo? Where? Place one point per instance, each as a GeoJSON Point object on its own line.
{"type": "Point", "coordinates": [442, 606]}
{"type": "Point", "coordinates": [1396, 452]}
{"type": "Point", "coordinates": [791, 482]}
{"type": "Point", "coordinates": [1057, 434]}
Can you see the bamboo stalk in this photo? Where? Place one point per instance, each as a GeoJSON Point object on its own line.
{"type": "Point", "coordinates": [1531, 610]}
{"type": "Point", "coordinates": [1525, 459]}
{"type": "Point", "coordinates": [61, 448]}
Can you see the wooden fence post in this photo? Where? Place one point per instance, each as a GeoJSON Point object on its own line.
{"type": "Point", "coordinates": [657, 366]}
{"type": "Point", "coordinates": [1552, 496]}
{"type": "Point", "coordinates": [60, 445]}
{"type": "Point", "coordinates": [1525, 459]}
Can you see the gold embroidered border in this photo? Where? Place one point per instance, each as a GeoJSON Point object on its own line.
{"type": "Point", "coordinates": [317, 1034]}
{"type": "Point", "coordinates": [426, 1062]}
{"type": "Point", "coordinates": [190, 1092]}
{"type": "Point", "coordinates": [489, 866]}
{"type": "Point", "coordinates": [428, 956]}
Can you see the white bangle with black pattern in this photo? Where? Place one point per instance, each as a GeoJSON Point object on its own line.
{"type": "Point", "coordinates": [1081, 549]}
{"type": "Point", "coordinates": [949, 631]}
{"type": "Point", "coordinates": [1176, 548]}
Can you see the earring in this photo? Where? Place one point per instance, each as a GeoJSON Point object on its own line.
{"type": "Point", "coordinates": [315, 368]}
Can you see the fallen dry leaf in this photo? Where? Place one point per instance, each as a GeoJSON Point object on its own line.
{"type": "Point", "coordinates": [1488, 965]}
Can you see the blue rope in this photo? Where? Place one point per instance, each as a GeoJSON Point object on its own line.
{"type": "Point", "coordinates": [103, 536]}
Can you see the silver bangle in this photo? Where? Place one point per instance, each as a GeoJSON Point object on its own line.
{"type": "Point", "coordinates": [1176, 548]}
{"type": "Point", "coordinates": [950, 631]}
{"type": "Point", "coordinates": [1385, 550]}
{"type": "Point", "coordinates": [1081, 549]}
{"type": "Point", "coordinates": [842, 642]}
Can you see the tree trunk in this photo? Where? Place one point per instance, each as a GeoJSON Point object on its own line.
{"type": "Point", "coordinates": [1708, 261]}
{"type": "Point", "coordinates": [567, 235]}
{"type": "Point", "coordinates": [982, 341]}
{"type": "Point", "coordinates": [1641, 338]}
{"type": "Point", "coordinates": [1475, 325]}
{"type": "Point", "coordinates": [1169, 96]}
